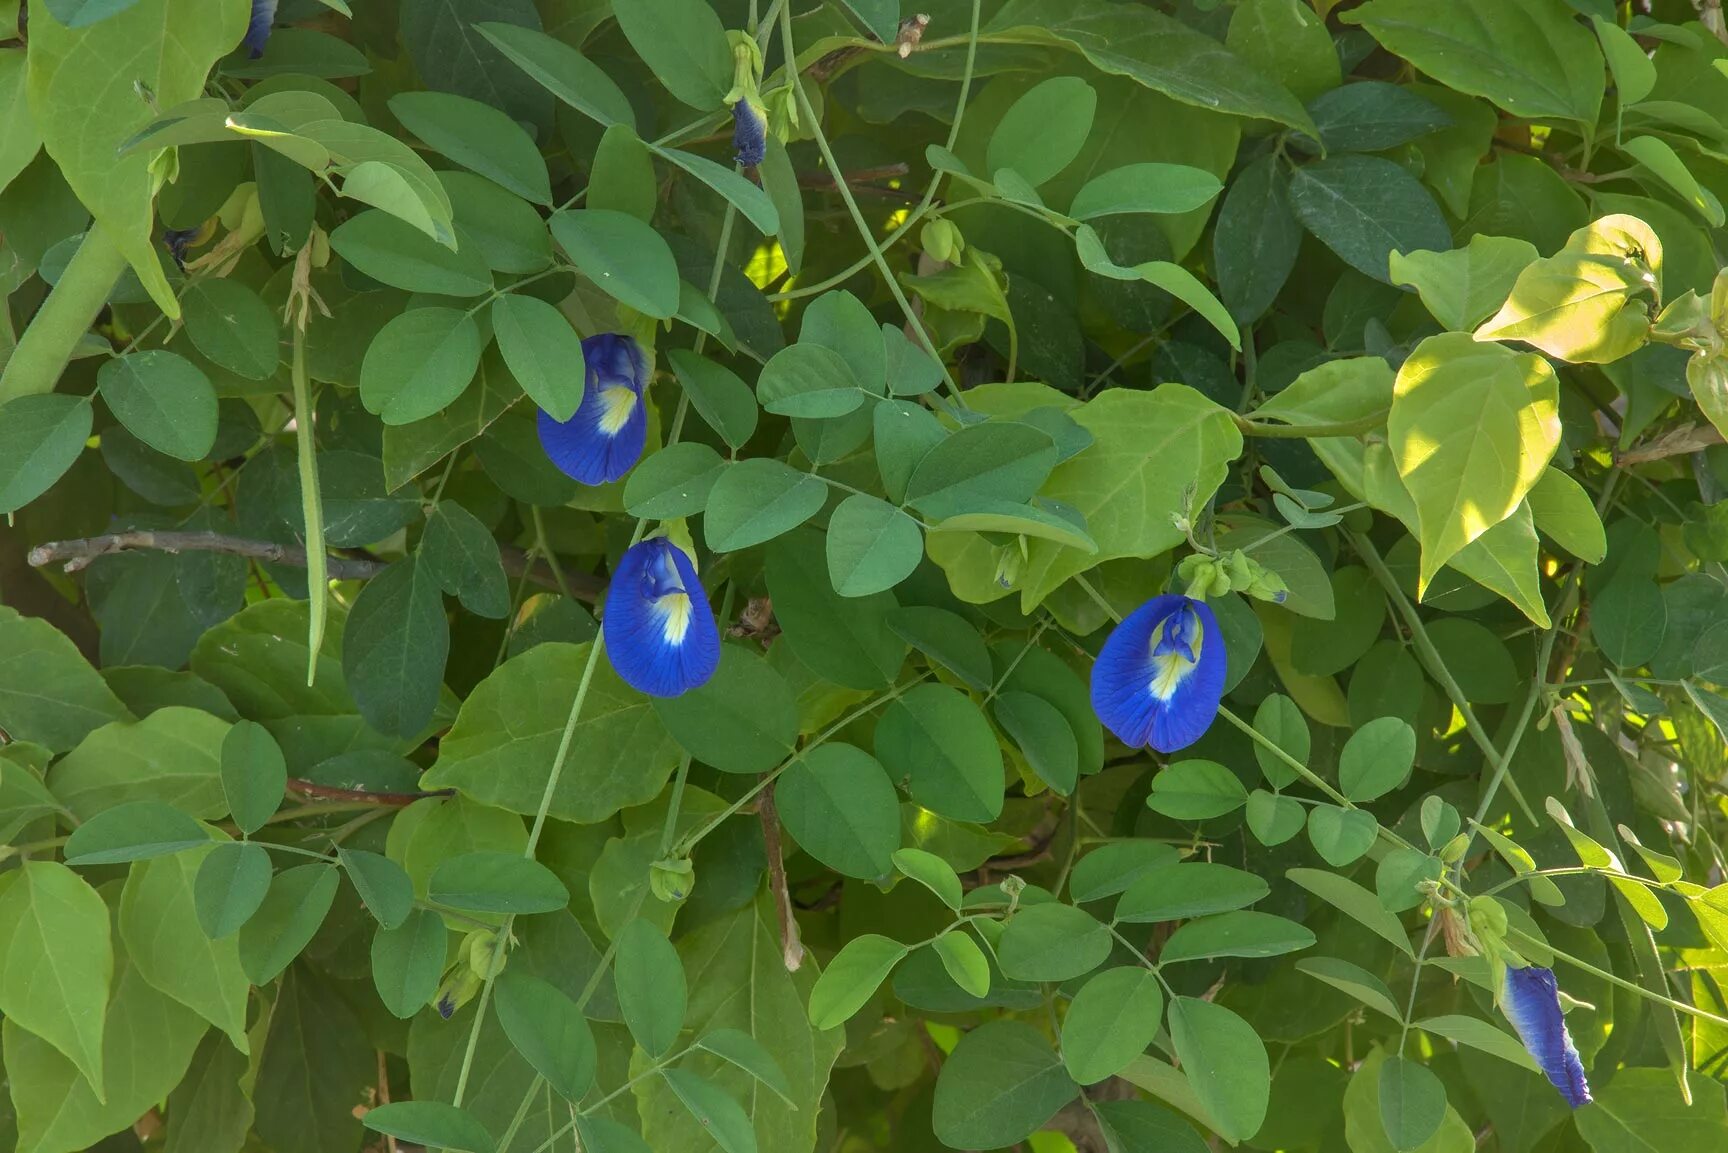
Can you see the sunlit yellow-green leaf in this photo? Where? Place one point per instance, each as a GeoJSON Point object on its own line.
{"type": "Point", "coordinates": [1471, 428]}
{"type": "Point", "coordinates": [1579, 304]}
{"type": "Point", "coordinates": [1464, 285]}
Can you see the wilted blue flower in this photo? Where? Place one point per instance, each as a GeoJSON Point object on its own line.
{"type": "Point", "coordinates": [749, 134]}
{"type": "Point", "coordinates": [659, 628]}
{"type": "Point", "coordinates": [604, 438]}
{"type": "Point", "coordinates": [1532, 1004]}
{"type": "Point", "coordinates": [258, 29]}
{"type": "Point", "coordinates": [1160, 676]}
{"type": "Point", "coordinates": [177, 241]}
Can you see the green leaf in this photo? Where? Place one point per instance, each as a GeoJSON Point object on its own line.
{"type": "Point", "coordinates": [1144, 187]}
{"type": "Point", "coordinates": [231, 885]}
{"type": "Point", "coordinates": [433, 1123]}
{"type": "Point", "coordinates": [1196, 790]}
{"type": "Point", "coordinates": [1339, 390]}
{"type": "Point", "coordinates": [210, 1109]}
{"type": "Point", "coordinates": [135, 831]}
{"type": "Point", "coordinates": [460, 553]}
{"type": "Point", "coordinates": [510, 727]}
{"type": "Point", "coordinates": [808, 380]}
{"type": "Point", "coordinates": [1000, 1084]}
{"type": "Point", "coordinates": [1239, 933]}
{"type": "Point", "coordinates": [1531, 58]}
{"type": "Point", "coordinates": [59, 960]}
{"type": "Point", "coordinates": [1354, 902]}
{"type": "Point", "coordinates": [1154, 50]}
{"type": "Point", "coordinates": [1462, 287]}
{"type": "Point", "coordinates": [1566, 514]}
{"type": "Point", "coordinates": [383, 886]}
{"type": "Point", "coordinates": [1044, 738]}
{"type": "Point", "coordinates": [491, 882]}
{"type": "Point", "coordinates": [232, 326]}
{"type": "Point", "coordinates": [1585, 303]}
{"type": "Point", "coordinates": [872, 546]}
{"type": "Point", "coordinates": [420, 362]}
{"type": "Point", "coordinates": [624, 257]}
{"type": "Point", "coordinates": [1225, 1062]}
{"type": "Point", "coordinates": [743, 720]}
{"type": "Point", "coordinates": [964, 961]}
{"type": "Point", "coordinates": [651, 989]}
{"type": "Point", "coordinates": [161, 928]}
{"type": "Point", "coordinates": [1150, 450]}
{"type": "Point", "coordinates": [1364, 208]}
{"type": "Point", "coordinates": [673, 482]}
{"type": "Point", "coordinates": [756, 205]}
{"type": "Point", "coordinates": [170, 756]}
{"type": "Point", "coordinates": [1641, 1111]}
{"type": "Point", "coordinates": [1187, 288]}
{"type": "Point", "coordinates": [40, 438]}
{"type": "Point", "coordinates": [394, 252]}
{"type": "Point", "coordinates": [1471, 429]}
{"type": "Point", "coordinates": [839, 805]}
{"type": "Point", "coordinates": [1188, 889]}
{"type": "Point", "coordinates": [1354, 980]}
{"type": "Point", "coordinates": [19, 139]}
{"type": "Point", "coordinates": [284, 924]}
{"type": "Point", "coordinates": [852, 978]}
{"type": "Point", "coordinates": [163, 400]}
{"type": "Point", "coordinates": [1482, 1035]}
{"type": "Point", "coordinates": [739, 1048]}
{"type": "Point", "coordinates": [1111, 1021]}
{"type": "Point", "coordinates": [717, 394]}
{"type": "Point", "coordinates": [684, 45]}
{"type": "Point", "coordinates": [407, 962]}
{"type": "Point", "coordinates": [562, 71]}
{"type": "Point", "coordinates": [163, 47]}
{"type": "Point", "coordinates": [932, 872]}
{"type": "Point", "coordinates": [1255, 241]}
{"type": "Point", "coordinates": [980, 467]}
{"type": "Point", "coordinates": [937, 740]}
{"type": "Point", "coordinates": [1287, 42]}
{"type": "Point", "coordinates": [758, 499]}
{"type": "Point", "coordinates": [844, 640]}
{"type": "Point", "coordinates": [1043, 131]}
{"type": "Point", "coordinates": [1372, 116]}
{"type": "Point", "coordinates": [721, 1117]}
{"type": "Point", "coordinates": [541, 350]}
{"type": "Point", "coordinates": [254, 774]}
{"type": "Point", "coordinates": [1113, 868]}
{"type": "Point", "coordinates": [1377, 758]}
{"type": "Point", "coordinates": [946, 638]}
{"type": "Point", "coordinates": [1341, 835]}
{"type": "Point", "coordinates": [1412, 1103]}
{"type": "Point", "coordinates": [478, 137]}
{"type": "Point", "coordinates": [1281, 722]}
{"type": "Point", "coordinates": [1634, 72]}
{"type": "Point", "coordinates": [1052, 942]}
{"type": "Point", "coordinates": [394, 648]}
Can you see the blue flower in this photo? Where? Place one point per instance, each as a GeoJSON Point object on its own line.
{"type": "Point", "coordinates": [749, 134]}
{"type": "Point", "coordinates": [1532, 1004]}
{"type": "Point", "coordinates": [604, 438]}
{"type": "Point", "coordinates": [659, 629]}
{"type": "Point", "coordinates": [258, 29]}
{"type": "Point", "coordinates": [177, 241]}
{"type": "Point", "coordinates": [1160, 676]}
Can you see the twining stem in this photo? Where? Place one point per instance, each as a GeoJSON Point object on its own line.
{"type": "Point", "coordinates": [311, 504]}
{"type": "Point", "coordinates": [65, 316]}
{"type": "Point", "coordinates": [808, 112]}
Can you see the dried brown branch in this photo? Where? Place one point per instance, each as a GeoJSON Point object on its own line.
{"type": "Point", "coordinates": [1681, 441]}
{"type": "Point", "coordinates": [333, 793]}
{"type": "Point", "coordinates": [791, 948]}
{"type": "Point", "coordinates": [78, 554]}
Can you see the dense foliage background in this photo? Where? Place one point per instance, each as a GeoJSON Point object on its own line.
{"type": "Point", "coordinates": [1392, 329]}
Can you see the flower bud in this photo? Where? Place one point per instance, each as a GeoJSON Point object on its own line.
{"type": "Point", "coordinates": [672, 879]}
{"type": "Point", "coordinates": [942, 241]}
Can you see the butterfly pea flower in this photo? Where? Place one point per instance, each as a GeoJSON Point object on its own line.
{"type": "Point", "coordinates": [604, 438]}
{"type": "Point", "coordinates": [1531, 999]}
{"type": "Point", "coordinates": [1160, 676]}
{"type": "Point", "coordinates": [258, 28]}
{"type": "Point", "coordinates": [659, 628]}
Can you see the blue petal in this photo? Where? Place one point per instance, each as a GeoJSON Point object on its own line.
{"type": "Point", "coordinates": [654, 581]}
{"type": "Point", "coordinates": [749, 134]}
{"type": "Point", "coordinates": [611, 358]}
{"type": "Point", "coordinates": [582, 448]}
{"type": "Point", "coordinates": [1532, 1004]}
{"type": "Point", "coordinates": [1125, 673]}
{"type": "Point", "coordinates": [258, 29]}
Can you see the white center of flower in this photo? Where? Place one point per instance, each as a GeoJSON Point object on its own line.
{"type": "Point", "coordinates": [674, 611]}
{"type": "Point", "coordinates": [616, 405]}
{"type": "Point", "coordinates": [1169, 669]}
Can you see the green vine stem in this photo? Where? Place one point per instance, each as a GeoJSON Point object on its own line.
{"type": "Point", "coordinates": [311, 502]}
{"type": "Point", "coordinates": [65, 316]}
